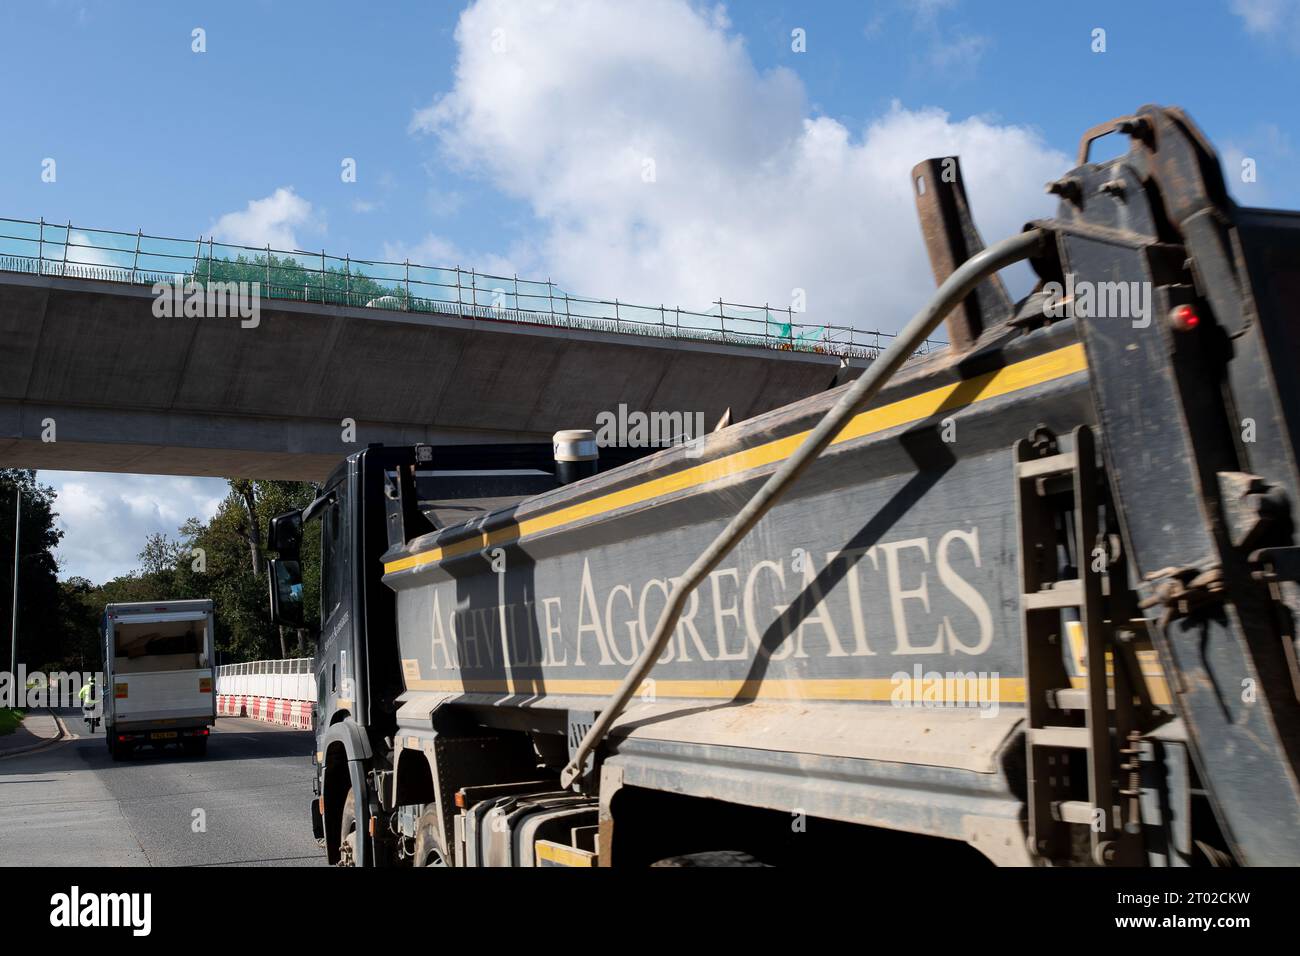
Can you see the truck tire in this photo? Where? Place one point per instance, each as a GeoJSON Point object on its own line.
{"type": "Point", "coordinates": [195, 746]}
{"type": "Point", "coordinates": [428, 852]}
{"type": "Point", "coordinates": [120, 751]}
{"type": "Point", "coordinates": [711, 858]}
{"type": "Point", "coordinates": [348, 834]}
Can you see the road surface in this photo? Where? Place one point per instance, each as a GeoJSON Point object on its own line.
{"type": "Point", "coordinates": [245, 803]}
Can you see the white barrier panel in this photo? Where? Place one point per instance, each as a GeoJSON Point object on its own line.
{"type": "Point", "coordinates": [289, 679]}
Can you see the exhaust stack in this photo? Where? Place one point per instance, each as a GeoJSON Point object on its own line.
{"type": "Point", "coordinates": [576, 454]}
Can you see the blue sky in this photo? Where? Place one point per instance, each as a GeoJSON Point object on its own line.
{"type": "Point", "coordinates": [148, 134]}
{"type": "Point", "coordinates": [504, 145]}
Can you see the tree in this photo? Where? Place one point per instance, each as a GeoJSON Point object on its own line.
{"type": "Point", "coordinates": [42, 636]}
{"type": "Point", "coordinates": [81, 620]}
{"type": "Point", "coordinates": [219, 559]}
{"type": "Point", "coordinates": [160, 555]}
{"type": "Point", "coordinates": [284, 277]}
{"type": "Point", "coordinates": [250, 528]}
{"type": "Point", "coordinates": [224, 569]}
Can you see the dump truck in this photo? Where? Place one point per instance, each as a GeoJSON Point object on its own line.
{"type": "Point", "coordinates": [159, 672]}
{"type": "Point", "coordinates": [1027, 600]}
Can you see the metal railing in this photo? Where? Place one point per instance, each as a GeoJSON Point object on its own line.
{"type": "Point", "coordinates": [286, 679]}
{"type": "Point", "coordinates": [42, 248]}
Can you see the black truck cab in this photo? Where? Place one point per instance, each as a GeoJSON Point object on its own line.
{"type": "Point", "coordinates": [356, 667]}
{"type": "Point", "coordinates": [363, 513]}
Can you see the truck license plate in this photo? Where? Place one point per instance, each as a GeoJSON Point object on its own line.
{"type": "Point", "coordinates": [163, 735]}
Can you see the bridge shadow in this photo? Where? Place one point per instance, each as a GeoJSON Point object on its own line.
{"type": "Point", "coordinates": [498, 605]}
{"type": "Point", "coordinates": [932, 458]}
{"type": "Point", "coordinates": [519, 678]}
{"type": "Point", "coordinates": [89, 749]}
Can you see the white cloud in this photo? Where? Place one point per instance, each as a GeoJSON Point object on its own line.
{"type": "Point", "coordinates": [84, 249]}
{"type": "Point", "coordinates": [272, 219]}
{"type": "Point", "coordinates": [440, 252]}
{"type": "Point", "coordinates": [926, 11]}
{"type": "Point", "coordinates": [1264, 16]}
{"type": "Point", "coordinates": [1258, 168]}
{"type": "Point", "coordinates": [951, 48]}
{"type": "Point", "coordinates": [751, 197]}
{"type": "Point", "coordinates": [1276, 20]}
{"type": "Point", "coordinates": [443, 203]}
{"type": "Point", "coordinates": [874, 25]}
{"type": "Point", "coordinates": [106, 517]}
{"type": "Point", "coordinates": [962, 52]}
{"type": "Point", "coordinates": [430, 251]}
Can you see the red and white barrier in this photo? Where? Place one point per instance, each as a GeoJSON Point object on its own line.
{"type": "Point", "coordinates": [287, 713]}
{"type": "Point", "coordinates": [279, 692]}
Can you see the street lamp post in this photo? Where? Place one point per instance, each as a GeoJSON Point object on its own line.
{"type": "Point", "coordinates": [13, 633]}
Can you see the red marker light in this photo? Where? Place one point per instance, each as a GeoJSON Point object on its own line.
{"type": "Point", "coordinates": [1183, 318]}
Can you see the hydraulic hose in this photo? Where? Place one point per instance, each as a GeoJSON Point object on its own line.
{"type": "Point", "coordinates": [953, 290]}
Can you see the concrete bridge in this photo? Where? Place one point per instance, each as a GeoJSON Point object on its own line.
{"type": "Point", "coordinates": [96, 376]}
{"type": "Point", "coordinates": [92, 380]}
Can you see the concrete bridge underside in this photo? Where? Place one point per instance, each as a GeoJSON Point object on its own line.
{"type": "Point", "coordinates": [129, 392]}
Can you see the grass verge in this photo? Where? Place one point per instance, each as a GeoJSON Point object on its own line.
{"type": "Point", "coordinates": [9, 720]}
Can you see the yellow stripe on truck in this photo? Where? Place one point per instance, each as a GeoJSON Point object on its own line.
{"type": "Point", "coordinates": [1153, 674]}
{"type": "Point", "coordinates": [553, 854]}
{"type": "Point", "coordinates": [1003, 381]}
{"type": "Point", "coordinates": [1003, 690]}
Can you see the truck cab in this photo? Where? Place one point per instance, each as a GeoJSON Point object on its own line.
{"type": "Point", "coordinates": [355, 671]}
{"type": "Point", "coordinates": [364, 514]}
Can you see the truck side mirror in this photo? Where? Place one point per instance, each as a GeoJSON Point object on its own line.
{"type": "Point", "coordinates": [285, 577]}
{"type": "Point", "coordinates": [285, 535]}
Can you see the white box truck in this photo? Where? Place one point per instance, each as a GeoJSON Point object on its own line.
{"type": "Point", "coordinates": [159, 676]}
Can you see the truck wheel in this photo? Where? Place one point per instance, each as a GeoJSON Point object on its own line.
{"type": "Point", "coordinates": [195, 746]}
{"type": "Point", "coordinates": [348, 832]}
{"type": "Point", "coordinates": [711, 858]}
{"type": "Point", "coordinates": [427, 850]}
{"type": "Point", "coordinates": [119, 750]}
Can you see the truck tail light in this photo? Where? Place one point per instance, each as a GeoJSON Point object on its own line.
{"type": "Point", "coordinates": [1183, 318]}
{"type": "Point", "coordinates": [119, 691]}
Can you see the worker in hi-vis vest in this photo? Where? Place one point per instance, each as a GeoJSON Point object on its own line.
{"type": "Point", "coordinates": [89, 702]}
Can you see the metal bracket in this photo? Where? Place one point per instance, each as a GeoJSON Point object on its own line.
{"type": "Point", "coordinates": [1276, 564]}
{"type": "Point", "coordinates": [1183, 591]}
{"type": "Point", "coordinates": [951, 238]}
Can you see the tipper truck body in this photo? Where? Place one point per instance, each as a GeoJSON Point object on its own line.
{"type": "Point", "coordinates": [1027, 600]}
